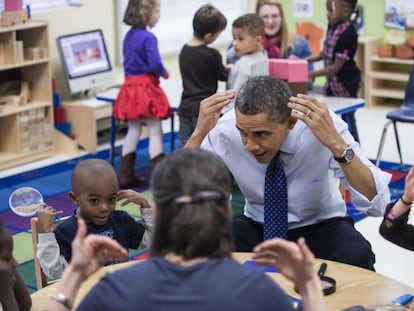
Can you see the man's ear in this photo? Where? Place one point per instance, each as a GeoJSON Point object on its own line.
{"type": "Point", "coordinates": [292, 121]}
{"type": "Point", "coordinates": [72, 196]}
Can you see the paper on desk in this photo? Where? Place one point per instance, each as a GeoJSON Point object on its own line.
{"type": "Point", "coordinates": [93, 102]}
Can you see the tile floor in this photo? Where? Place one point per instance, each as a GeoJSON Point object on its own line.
{"type": "Point", "coordinates": [392, 261]}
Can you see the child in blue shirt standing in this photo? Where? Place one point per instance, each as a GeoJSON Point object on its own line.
{"type": "Point", "coordinates": [343, 77]}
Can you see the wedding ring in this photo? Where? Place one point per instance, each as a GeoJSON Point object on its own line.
{"type": "Point", "coordinates": [308, 113]}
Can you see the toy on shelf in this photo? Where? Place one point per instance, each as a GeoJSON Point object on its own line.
{"type": "Point", "coordinates": [14, 93]}
{"type": "Point", "coordinates": [13, 13]}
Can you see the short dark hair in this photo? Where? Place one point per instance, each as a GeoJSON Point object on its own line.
{"type": "Point", "coordinates": [191, 189]}
{"type": "Point", "coordinates": [251, 23]}
{"type": "Point", "coordinates": [352, 4]}
{"type": "Point", "coordinates": [138, 12]}
{"type": "Point", "coordinates": [207, 20]}
{"type": "Point", "coordinates": [264, 94]}
{"type": "Point", "coordinates": [90, 167]}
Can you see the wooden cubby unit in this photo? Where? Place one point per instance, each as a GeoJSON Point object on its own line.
{"type": "Point", "coordinates": [26, 128]}
{"type": "Point", "coordinates": [388, 79]}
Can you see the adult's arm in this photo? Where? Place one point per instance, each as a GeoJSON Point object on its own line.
{"type": "Point", "coordinates": [316, 115]}
{"type": "Point", "coordinates": [394, 226]}
{"type": "Point", "coordinates": [328, 70]}
{"type": "Point", "coordinates": [89, 253]}
{"type": "Point", "coordinates": [210, 109]}
{"type": "Point", "coordinates": [295, 262]}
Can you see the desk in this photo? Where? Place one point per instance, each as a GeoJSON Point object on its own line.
{"type": "Point", "coordinates": [354, 285]}
{"type": "Point", "coordinates": [172, 88]}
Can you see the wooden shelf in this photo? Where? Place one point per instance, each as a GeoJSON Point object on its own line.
{"type": "Point", "coordinates": [384, 75]}
{"type": "Point", "coordinates": [388, 93]}
{"type": "Point", "coordinates": [387, 80]}
{"type": "Point", "coordinates": [391, 60]}
{"type": "Point", "coordinates": [26, 128]}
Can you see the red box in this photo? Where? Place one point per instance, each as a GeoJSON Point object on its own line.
{"type": "Point", "coordinates": [13, 5]}
{"type": "Point", "coordinates": [291, 70]}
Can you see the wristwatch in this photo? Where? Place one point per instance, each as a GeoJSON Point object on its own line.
{"type": "Point", "coordinates": [61, 298]}
{"type": "Point", "coordinates": [347, 155]}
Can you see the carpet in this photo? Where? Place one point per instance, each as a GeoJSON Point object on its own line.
{"type": "Point", "coordinates": [54, 183]}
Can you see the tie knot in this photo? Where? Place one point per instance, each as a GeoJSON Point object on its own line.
{"type": "Point", "coordinates": [275, 162]}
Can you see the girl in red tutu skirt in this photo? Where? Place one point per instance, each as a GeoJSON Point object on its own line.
{"type": "Point", "coordinates": [141, 101]}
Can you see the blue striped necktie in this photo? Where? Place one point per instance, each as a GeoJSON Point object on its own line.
{"type": "Point", "coordinates": [275, 201]}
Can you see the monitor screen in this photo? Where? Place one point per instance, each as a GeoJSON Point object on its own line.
{"type": "Point", "coordinates": [85, 60]}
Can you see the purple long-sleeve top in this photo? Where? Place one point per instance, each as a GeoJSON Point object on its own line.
{"type": "Point", "coordinates": [141, 55]}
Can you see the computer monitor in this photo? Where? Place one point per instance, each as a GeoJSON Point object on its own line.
{"type": "Point", "coordinates": [85, 61]}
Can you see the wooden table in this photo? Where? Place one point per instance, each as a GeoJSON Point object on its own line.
{"type": "Point", "coordinates": [354, 286]}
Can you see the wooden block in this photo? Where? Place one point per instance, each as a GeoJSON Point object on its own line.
{"type": "Point", "coordinates": [9, 18]}
{"type": "Point", "coordinates": [292, 70]}
{"type": "Point", "coordinates": [298, 87]}
{"type": "Point", "coordinates": [2, 54]}
{"type": "Point", "coordinates": [34, 53]}
{"type": "Point", "coordinates": [18, 52]}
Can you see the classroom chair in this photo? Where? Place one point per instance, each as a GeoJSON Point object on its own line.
{"type": "Point", "coordinates": [404, 114]}
{"type": "Point", "coordinates": [41, 279]}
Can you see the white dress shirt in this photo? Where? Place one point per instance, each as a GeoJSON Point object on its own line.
{"type": "Point", "coordinates": [311, 171]}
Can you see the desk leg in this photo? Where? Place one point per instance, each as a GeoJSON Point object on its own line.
{"type": "Point", "coordinates": [172, 142]}
{"type": "Point", "coordinates": [112, 139]}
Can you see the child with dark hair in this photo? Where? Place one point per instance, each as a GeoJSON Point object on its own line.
{"type": "Point", "coordinates": [248, 32]}
{"type": "Point", "coordinates": [13, 293]}
{"type": "Point", "coordinates": [343, 77]}
{"type": "Point", "coordinates": [95, 193]}
{"type": "Point", "coordinates": [201, 67]}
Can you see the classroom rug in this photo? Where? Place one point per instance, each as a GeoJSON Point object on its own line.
{"type": "Point", "coordinates": [54, 183]}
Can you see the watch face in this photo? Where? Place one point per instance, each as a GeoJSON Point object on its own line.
{"type": "Point", "coordinates": [349, 155]}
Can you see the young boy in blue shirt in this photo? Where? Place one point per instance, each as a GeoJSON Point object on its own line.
{"type": "Point", "coordinates": [95, 193]}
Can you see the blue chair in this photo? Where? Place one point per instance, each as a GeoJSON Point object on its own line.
{"type": "Point", "coordinates": [403, 114]}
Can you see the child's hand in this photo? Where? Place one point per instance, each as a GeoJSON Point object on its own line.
{"type": "Point", "coordinates": [293, 57]}
{"type": "Point", "coordinates": [132, 196]}
{"type": "Point", "coordinates": [45, 217]}
{"type": "Point", "coordinates": [166, 75]}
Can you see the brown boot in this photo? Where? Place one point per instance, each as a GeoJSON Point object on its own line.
{"type": "Point", "coordinates": [155, 160]}
{"type": "Point", "coordinates": [127, 178]}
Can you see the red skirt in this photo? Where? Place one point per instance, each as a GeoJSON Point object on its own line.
{"type": "Point", "coordinates": [141, 97]}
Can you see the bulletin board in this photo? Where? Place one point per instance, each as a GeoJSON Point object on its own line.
{"type": "Point", "coordinates": [399, 14]}
{"type": "Point", "coordinates": [175, 25]}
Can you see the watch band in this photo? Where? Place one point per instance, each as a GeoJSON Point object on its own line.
{"type": "Point", "coordinates": [61, 298]}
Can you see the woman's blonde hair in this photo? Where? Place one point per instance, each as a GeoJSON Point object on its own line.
{"type": "Point", "coordinates": [286, 38]}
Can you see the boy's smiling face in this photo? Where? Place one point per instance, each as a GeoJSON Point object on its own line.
{"type": "Point", "coordinates": [96, 196]}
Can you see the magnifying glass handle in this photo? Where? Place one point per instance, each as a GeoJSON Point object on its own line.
{"type": "Point", "coordinates": [322, 269]}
